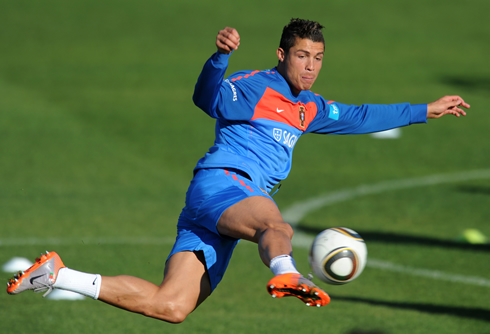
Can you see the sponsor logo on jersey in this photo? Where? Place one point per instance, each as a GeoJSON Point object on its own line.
{"type": "Point", "coordinates": [334, 112]}
{"type": "Point", "coordinates": [233, 89]}
{"type": "Point", "coordinates": [287, 138]}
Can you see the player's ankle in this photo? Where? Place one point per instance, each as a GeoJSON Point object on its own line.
{"type": "Point", "coordinates": [76, 281]}
{"type": "Point", "coordinates": [283, 264]}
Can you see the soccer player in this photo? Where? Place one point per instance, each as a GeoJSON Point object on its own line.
{"type": "Point", "coordinates": [259, 115]}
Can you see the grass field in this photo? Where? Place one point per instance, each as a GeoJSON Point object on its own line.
{"type": "Point", "coordinates": [99, 136]}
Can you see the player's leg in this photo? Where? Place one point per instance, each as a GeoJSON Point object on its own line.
{"type": "Point", "coordinates": [185, 286]}
{"type": "Point", "coordinates": [258, 219]}
{"type": "Point", "coordinates": [188, 279]}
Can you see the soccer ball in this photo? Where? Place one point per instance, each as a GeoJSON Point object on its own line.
{"type": "Point", "coordinates": [338, 255]}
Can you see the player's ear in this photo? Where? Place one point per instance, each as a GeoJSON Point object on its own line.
{"type": "Point", "coordinates": [281, 55]}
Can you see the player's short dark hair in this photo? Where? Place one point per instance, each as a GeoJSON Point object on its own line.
{"type": "Point", "coordinates": [303, 29]}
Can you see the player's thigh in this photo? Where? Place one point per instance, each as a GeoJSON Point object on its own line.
{"type": "Point", "coordinates": [250, 217]}
{"type": "Point", "coordinates": [186, 282]}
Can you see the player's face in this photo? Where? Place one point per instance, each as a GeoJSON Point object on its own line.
{"type": "Point", "coordinates": [301, 65]}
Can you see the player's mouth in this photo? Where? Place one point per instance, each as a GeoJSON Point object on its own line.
{"type": "Point", "coordinates": [308, 79]}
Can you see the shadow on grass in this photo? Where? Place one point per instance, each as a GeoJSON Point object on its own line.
{"type": "Point", "coordinates": [480, 190]}
{"type": "Point", "coordinates": [395, 238]}
{"type": "Point", "coordinates": [478, 84]}
{"type": "Point", "coordinates": [363, 331]}
{"type": "Point", "coordinates": [462, 312]}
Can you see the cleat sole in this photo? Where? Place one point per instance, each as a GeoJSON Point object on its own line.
{"type": "Point", "coordinates": [289, 285]}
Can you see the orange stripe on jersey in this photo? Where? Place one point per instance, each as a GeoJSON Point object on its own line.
{"type": "Point", "coordinates": [245, 76]}
{"type": "Point", "coordinates": [237, 179]}
{"type": "Point", "coordinates": [275, 107]}
{"type": "Point", "coordinates": [243, 184]}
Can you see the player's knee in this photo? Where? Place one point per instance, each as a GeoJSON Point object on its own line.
{"type": "Point", "coordinates": [280, 226]}
{"type": "Point", "coordinates": [167, 311]}
{"type": "Point", "coordinates": [177, 316]}
{"type": "Point", "coordinates": [289, 230]}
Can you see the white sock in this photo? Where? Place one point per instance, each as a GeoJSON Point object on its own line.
{"type": "Point", "coordinates": [76, 281]}
{"type": "Point", "coordinates": [283, 264]}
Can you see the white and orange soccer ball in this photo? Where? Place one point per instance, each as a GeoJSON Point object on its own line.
{"type": "Point", "coordinates": [338, 255]}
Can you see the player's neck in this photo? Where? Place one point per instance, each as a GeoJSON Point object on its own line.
{"type": "Point", "coordinates": [282, 71]}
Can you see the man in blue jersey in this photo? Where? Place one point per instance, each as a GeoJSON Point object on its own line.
{"type": "Point", "coordinates": [259, 115]}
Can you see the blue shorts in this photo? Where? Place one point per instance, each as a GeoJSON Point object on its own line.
{"type": "Point", "coordinates": [211, 192]}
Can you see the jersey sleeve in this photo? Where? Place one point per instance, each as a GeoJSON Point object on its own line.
{"type": "Point", "coordinates": [224, 98]}
{"type": "Point", "coordinates": [339, 118]}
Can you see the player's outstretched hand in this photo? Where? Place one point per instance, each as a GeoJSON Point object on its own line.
{"type": "Point", "coordinates": [447, 105]}
{"type": "Point", "coordinates": [227, 40]}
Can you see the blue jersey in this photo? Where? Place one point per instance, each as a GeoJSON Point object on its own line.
{"type": "Point", "coordinates": [259, 119]}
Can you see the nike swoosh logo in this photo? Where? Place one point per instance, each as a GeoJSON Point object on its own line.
{"type": "Point", "coordinates": [35, 278]}
{"type": "Point", "coordinates": [279, 110]}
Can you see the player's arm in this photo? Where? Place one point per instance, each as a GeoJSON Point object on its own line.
{"type": "Point", "coordinates": [210, 80]}
{"type": "Point", "coordinates": [447, 105]}
{"type": "Point", "coordinates": [339, 118]}
{"type": "Point", "coordinates": [369, 118]}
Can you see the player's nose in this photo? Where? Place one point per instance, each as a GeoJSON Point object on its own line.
{"type": "Point", "coordinates": [310, 65]}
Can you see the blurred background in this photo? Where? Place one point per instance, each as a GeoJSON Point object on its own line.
{"type": "Point", "coordinates": [99, 136]}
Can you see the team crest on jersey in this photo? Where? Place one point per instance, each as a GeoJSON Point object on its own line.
{"type": "Point", "coordinates": [302, 116]}
{"type": "Point", "coordinates": [277, 134]}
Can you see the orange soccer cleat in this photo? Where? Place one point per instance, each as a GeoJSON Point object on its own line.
{"type": "Point", "coordinates": [298, 286]}
{"type": "Point", "coordinates": [39, 277]}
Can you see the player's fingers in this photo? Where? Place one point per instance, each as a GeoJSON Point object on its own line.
{"type": "Point", "coordinates": [232, 34]}
{"type": "Point", "coordinates": [449, 102]}
{"type": "Point", "coordinates": [446, 112]}
{"type": "Point", "coordinates": [231, 41]}
{"type": "Point", "coordinates": [458, 111]}
{"type": "Point", "coordinates": [229, 37]}
{"type": "Point", "coordinates": [448, 98]}
{"type": "Point", "coordinates": [225, 46]}
{"type": "Point", "coordinates": [458, 100]}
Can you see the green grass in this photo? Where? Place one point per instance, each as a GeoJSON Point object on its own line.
{"type": "Point", "coordinates": [98, 138]}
